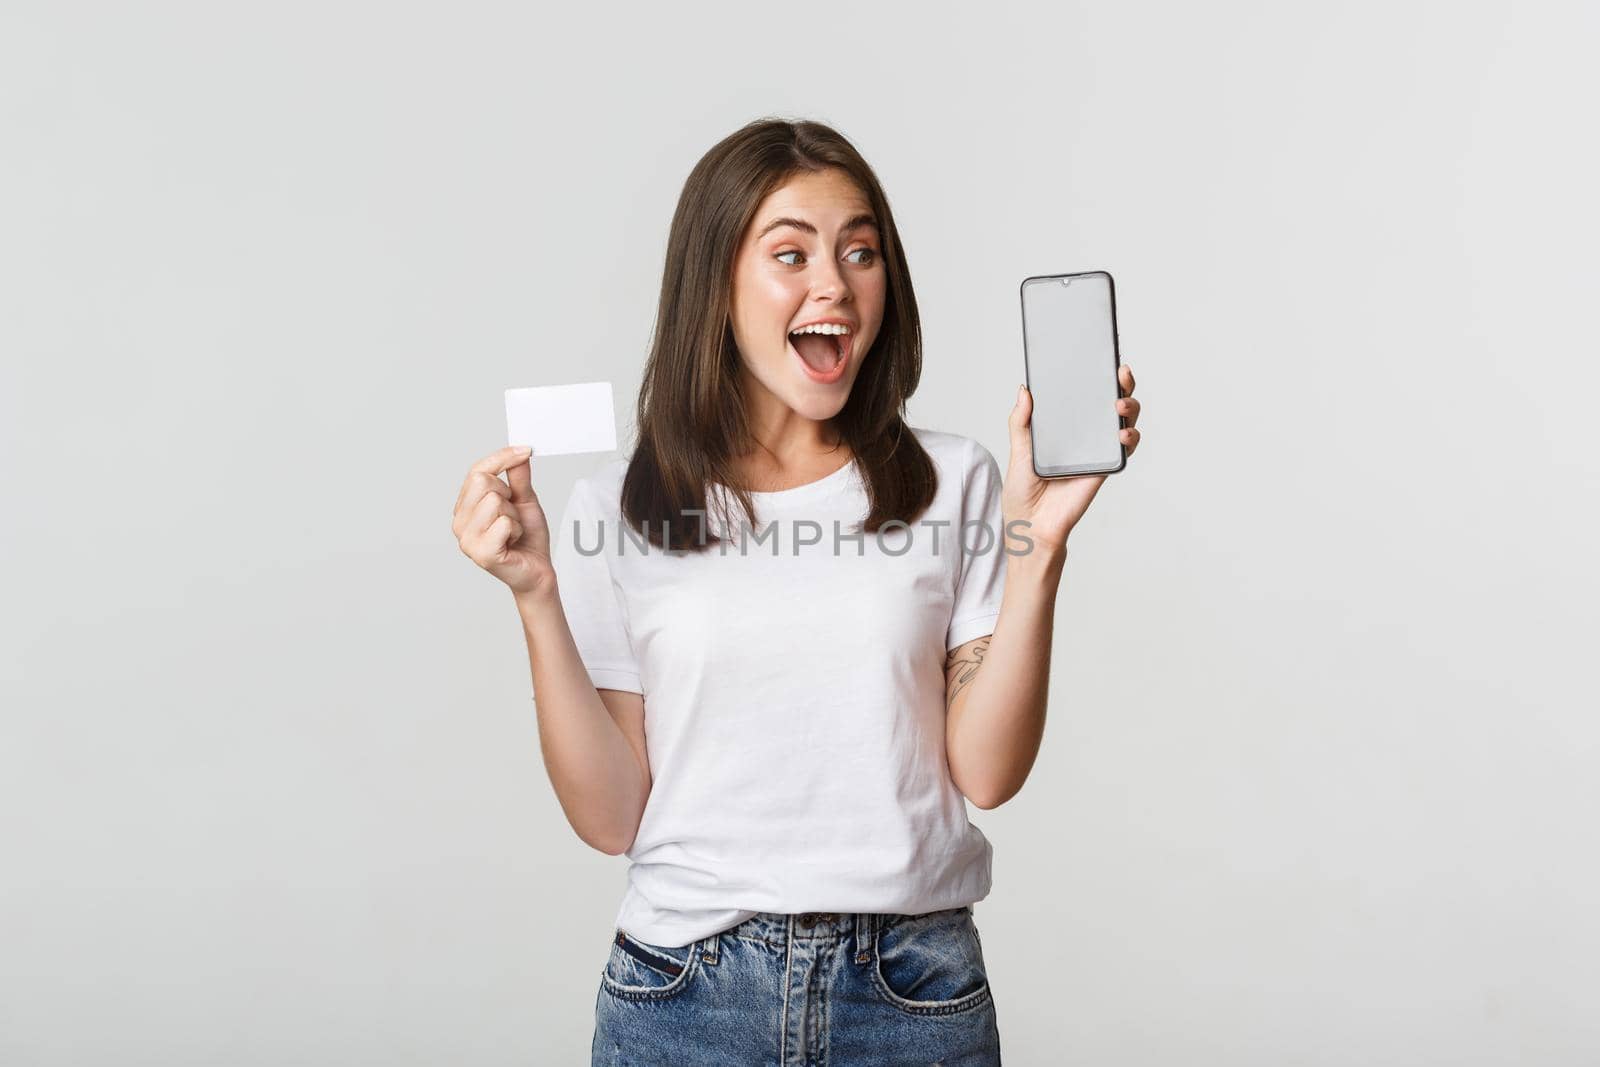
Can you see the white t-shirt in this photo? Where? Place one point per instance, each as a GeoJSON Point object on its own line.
{"type": "Point", "coordinates": [794, 694]}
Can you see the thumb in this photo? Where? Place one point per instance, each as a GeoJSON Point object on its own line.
{"type": "Point", "coordinates": [1021, 438]}
{"type": "Point", "coordinates": [520, 476]}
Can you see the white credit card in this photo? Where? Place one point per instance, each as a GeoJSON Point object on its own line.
{"type": "Point", "coordinates": [556, 420]}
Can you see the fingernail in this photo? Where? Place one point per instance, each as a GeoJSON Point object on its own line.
{"type": "Point", "coordinates": [524, 449]}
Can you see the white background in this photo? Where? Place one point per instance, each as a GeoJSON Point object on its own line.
{"type": "Point", "coordinates": [1319, 782]}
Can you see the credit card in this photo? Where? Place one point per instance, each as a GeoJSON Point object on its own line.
{"type": "Point", "coordinates": [558, 420]}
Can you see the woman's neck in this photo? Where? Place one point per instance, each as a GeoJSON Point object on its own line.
{"type": "Point", "coordinates": [776, 465]}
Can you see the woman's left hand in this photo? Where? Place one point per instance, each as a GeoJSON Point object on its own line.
{"type": "Point", "coordinates": [1053, 506]}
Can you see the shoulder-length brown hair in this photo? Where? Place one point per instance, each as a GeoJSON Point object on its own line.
{"type": "Point", "coordinates": [691, 411]}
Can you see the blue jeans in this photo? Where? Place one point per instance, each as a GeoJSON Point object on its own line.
{"type": "Point", "coordinates": [815, 990]}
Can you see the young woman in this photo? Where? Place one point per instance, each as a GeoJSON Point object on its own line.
{"type": "Point", "coordinates": [774, 652]}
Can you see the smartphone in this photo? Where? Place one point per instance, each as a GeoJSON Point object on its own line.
{"type": "Point", "coordinates": [1070, 358]}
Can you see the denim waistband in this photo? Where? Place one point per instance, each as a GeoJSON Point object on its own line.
{"type": "Point", "coordinates": [779, 928]}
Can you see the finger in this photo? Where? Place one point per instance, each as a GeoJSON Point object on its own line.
{"type": "Point", "coordinates": [1125, 379]}
{"type": "Point", "coordinates": [478, 485]}
{"type": "Point", "coordinates": [502, 533]}
{"type": "Point", "coordinates": [495, 462]}
{"type": "Point", "coordinates": [488, 509]}
{"type": "Point", "coordinates": [491, 546]}
{"type": "Point", "coordinates": [1128, 408]}
{"type": "Point", "coordinates": [521, 478]}
{"type": "Point", "coordinates": [474, 486]}
{"type": "Point", "coordinates": [1130, 439]}
{"type": "Point", "coordinates": [486, 546]}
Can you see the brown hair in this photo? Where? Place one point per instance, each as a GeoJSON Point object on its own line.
{"type": "Point", "coordinates": [691, 414]}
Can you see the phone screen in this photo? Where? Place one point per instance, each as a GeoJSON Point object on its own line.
{"type": "Point", "coordinates": [1069, 330]}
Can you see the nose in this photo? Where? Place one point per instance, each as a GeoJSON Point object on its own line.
{"type": "Point", "coordinates": [830, 283]}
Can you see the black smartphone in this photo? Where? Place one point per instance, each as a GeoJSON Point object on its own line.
{"type": "Point", "coordinates": [1070, 358]}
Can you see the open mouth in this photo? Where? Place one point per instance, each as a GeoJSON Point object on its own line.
{"type": "Point", "coordinates": [821, 353]}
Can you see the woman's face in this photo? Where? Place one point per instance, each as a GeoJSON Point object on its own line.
{"type": "Point", "coordinates": [823, 263]}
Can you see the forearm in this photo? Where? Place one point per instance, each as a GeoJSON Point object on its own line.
{"type": "Point", "coordinates": [591, 765]}
{"type": "Point", "coordinates": [995, 724]}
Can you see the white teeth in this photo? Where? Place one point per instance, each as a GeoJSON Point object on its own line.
{"type": "Point", "coordinates": [824, 327]}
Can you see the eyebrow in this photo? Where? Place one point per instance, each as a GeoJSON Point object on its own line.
{"type": "Point", "coordinates": [802, 224]}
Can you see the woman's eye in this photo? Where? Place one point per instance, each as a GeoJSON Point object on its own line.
{"type": "Point", "coordinates": [871, 256]}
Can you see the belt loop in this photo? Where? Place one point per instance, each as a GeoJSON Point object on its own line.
{"type": "Point", "coordinates": [709, 948]}
{"type": "Point", "coordinates": [863, 937]}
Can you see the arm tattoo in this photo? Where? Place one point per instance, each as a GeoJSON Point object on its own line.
{"type": "Point", "coordinates": [960, 667]}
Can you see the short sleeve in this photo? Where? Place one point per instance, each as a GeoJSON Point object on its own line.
{"type": "Point", "coordinates": [595, 607]}
{"type": "Point", "coordinates": [980, 582]}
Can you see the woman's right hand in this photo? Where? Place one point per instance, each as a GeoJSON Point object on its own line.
{"type": "Point", "coordinates": [501, 527]}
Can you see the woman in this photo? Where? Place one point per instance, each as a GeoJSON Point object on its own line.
{"type": "Point", "coordinates": [771, 655]}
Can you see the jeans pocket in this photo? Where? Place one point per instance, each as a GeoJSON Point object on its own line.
{"type": "Point", "coordinates": [930, 964]}
{"type": "Point", "coordinates": [638, 971]}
